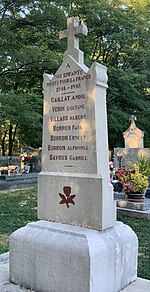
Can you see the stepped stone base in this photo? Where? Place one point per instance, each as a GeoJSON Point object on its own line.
{"type": "Point", "coordinates": [22, 181]}
{"type": "Point", "coordinates": [143, 206]}
{"type": "Point", "coordinates": [47, 256]}
{"type": "Point", "coordinates": [134, 213]}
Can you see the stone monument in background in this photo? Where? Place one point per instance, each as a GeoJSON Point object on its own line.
{"type": "Point", "coordinates": [133, 136]}
{"type": "Point", "coordinates": [77, 246]}
{"type": "Point", "coordinates": [134, 147]}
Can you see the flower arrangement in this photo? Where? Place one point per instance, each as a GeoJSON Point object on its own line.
{"type": "Point", "coordinates": [133, 181]}
{"type": "Point", "coordinates": [24, 157]}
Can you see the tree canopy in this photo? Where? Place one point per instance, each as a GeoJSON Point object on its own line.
{"type": "Point", "coordinates": [118, 38]}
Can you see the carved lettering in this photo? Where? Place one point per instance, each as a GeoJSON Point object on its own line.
{"type": "Point", "coordinates": [72, 148]}
{"type": "Point", "coordinates": [58, 157]}
{"type": "Point", "coordinates": [71, 157]}
{"type": "Point", "coordinates": [58, 108]}
{"type": "Point", "coordinates": [68, 65]}
{"type": "Point", "coordinates": [61, 128]}
{"type": "Point", "coordinates": [77, 117]}
{"type": "Point", "coordinates": [75, 107]}
{"type": "Point", "coordinates": [52, 148]}
{"type": "Point", "coordinates": [60, 99]}
{"type": "Point", "coordinates": [58, 138]}
{"type": "Point", "coordinates": [59, 119]}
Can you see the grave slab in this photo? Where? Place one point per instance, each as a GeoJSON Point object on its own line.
{"type": "Point", "coordinates": [143, 206]}
{"type": "Point", "coordinates": [134, 213]}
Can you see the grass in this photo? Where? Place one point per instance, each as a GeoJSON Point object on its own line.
{"type": "Point", "coordinates": [142, 229]}
{"type": "Point", "coordinates": [17, 208]}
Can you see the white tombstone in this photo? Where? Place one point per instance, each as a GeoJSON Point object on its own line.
{"type": "Point", "coordinates": [78, 245]}
{"type": "Point", "coordinates": [75, 142]}
{"type": "Point", "coordinates": [133, 136]}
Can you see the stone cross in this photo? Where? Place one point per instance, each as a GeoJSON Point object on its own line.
{"type": "Point", "coordinates": [132, 118]}
{"type": "Point", "coordinates": [72, 33]}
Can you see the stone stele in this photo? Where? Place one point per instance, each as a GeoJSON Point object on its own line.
{"type": "Point", "coordinates": [59, 253]}
{"type": "Point", "coordinates": [74, 186]}
{"type": "Point", "coordinates": [134, 147]}
{"type": "Point", "coordinates": [133, 136]}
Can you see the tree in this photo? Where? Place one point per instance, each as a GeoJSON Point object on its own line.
{"type": "Point", "coordinates": [118, 38]}
{"type": "Point", "coordinates": [29, 46]}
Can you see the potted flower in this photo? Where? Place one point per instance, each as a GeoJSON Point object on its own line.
{"type": "Point", "coordinates": [134, 183]}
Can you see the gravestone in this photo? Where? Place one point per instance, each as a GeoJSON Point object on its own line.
{"type": "Point", "coordinates": [133, 136]}
{"type": "Point", "coordinates": [75, 146]}
{"type": "Point", "coordinates": [134, 147]}
{"type": "Point", "coordinates": [78, 244]}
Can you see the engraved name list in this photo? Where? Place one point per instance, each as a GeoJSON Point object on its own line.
{"type": "Point", "coordinates": [68, 116]}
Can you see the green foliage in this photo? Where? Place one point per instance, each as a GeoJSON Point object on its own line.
{"type": "Point", "coordinates": [29, 46]}
{"type": "Point", "coordinates": [118, 38]}
{"type": "Point", "coordinates": [142, 229]}
{"type": "Point", "coordinates": [144, 165]}
{"type": "Point", "coordinates": [139, 181]}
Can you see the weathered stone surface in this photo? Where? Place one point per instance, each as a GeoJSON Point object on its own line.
{"type": "Point", "coordinates": [48, 256]}
{"type": "Point", "coordinates": [133, 136]}
{"type": "Point", "coordinates": [75, 142]}
{"type": "Point", "coordinates": [140, 285]}
{"type": "Point", "coordinates": [88, 200]}
{"type": "Point", "coordinates": [143, 206]}
{"type": "Point", "coordinates": [134, 213]}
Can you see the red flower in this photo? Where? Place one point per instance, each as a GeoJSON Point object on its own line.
{"type": "Point", "coordinates": [67, 199]}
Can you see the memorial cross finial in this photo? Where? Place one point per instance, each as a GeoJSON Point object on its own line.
{"type": "Point", "coordinates": [133, 118]}
{"type": "Point", "coordinates": [72, 33]}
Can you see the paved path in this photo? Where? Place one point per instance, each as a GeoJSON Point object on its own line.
{"type": "Point", "coordinates": [140, 285]}
{"type": "Point", "coordinates": [5, 286]}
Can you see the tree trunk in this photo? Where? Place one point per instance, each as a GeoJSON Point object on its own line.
{"type": "Point", "coordinates": [3, 143]}
{"type": "Point", "coordinates": [10, 140]}
{"type": "Point", "coordinates": [12, 136]}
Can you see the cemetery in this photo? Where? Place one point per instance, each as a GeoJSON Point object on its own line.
{"type": "Point", "coordinates": [20, 171]}
{"type": "Point", "coordinates": [132, 171]}
{"type": "Point", "coordinates": [74, 218]}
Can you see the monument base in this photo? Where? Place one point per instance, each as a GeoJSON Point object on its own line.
{"type": "Point", "coordinates": [47, 256]}
{"type": "Point", "coordinates": [140, 206]}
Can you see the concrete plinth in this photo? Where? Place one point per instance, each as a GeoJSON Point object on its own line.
{"type": "Point", "coordinates": [140, 206]}
{"type": "Point", "coordinates": [46, 257]}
